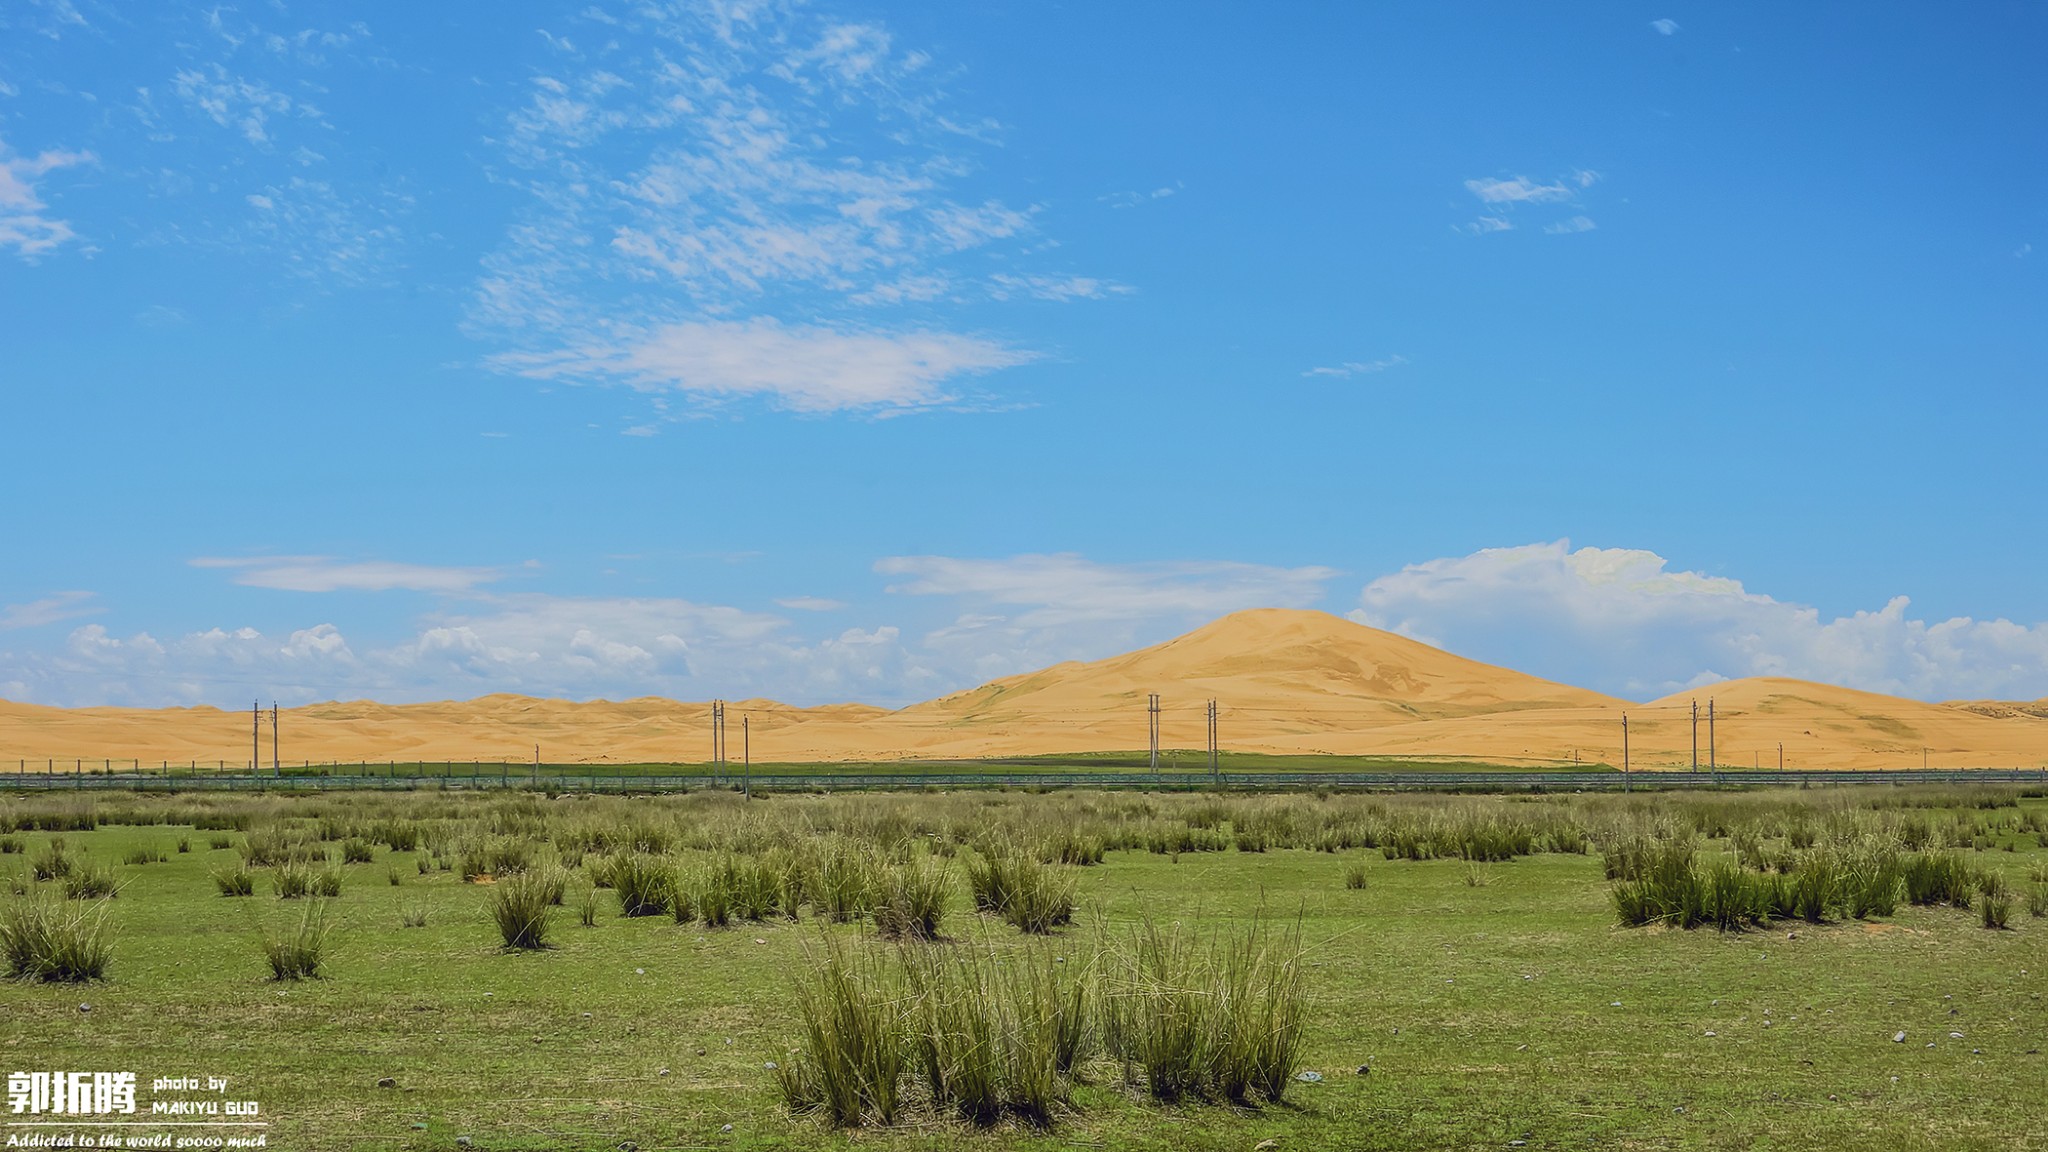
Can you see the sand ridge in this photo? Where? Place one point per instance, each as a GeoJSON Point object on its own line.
{"type": "Point", "coordinates": [1286, 681]}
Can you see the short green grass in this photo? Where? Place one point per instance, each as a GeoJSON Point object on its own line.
{"type": "Point", "coordinates": [1511, 1010]}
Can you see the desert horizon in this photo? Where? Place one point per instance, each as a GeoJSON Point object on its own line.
{"type": "Point", "coordinates": [1286, 682]}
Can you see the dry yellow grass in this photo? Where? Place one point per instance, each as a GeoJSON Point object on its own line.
{"type": "Point", "coordinates": [1286, 682]}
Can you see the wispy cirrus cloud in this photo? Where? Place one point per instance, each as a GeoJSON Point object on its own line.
{"type": "Point", "coordinates": [1056, 288]}
{"type": "Point", "coordinates": [245, 140]}
{"type": "Point", "coordinates": [26, 225]}
{"type": "Point", "coordinates": [1018, 613]}
{"type": "Point", "coordinates": [1503, 195]}
{"type": "Point", "coordinates": [727, 198]}
{"type": "Point", "coordinates": [811, 604]}
{"type": "Point", "coordinates": [1665, 27]}
{"type": "Point", "coordinates": [1352, 368]}
{"type": "Point", "coordinates": [1134, 199]}
{"type": "Point", "coordinates": [802, 368]}
{"type": "Point", "coordinates": [1066, 588]}
{"type": "Point", "coordinates": [325, 574]}
{"type": "Point", "coordinates": [48, 610]}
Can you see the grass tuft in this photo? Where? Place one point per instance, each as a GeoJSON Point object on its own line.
{"type": "Point", "coordinates": [44, 940]}
{"type": "Point", "coordinates": [298, 953]}
{"type": "Point", "coordinates": [522, 908]}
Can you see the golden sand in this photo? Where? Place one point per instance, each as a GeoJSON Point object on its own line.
{"type": "Point", "coordinates": [1285, 681]}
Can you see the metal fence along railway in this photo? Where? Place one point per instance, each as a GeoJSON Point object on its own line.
{"type": "Point", "coordinates": [525, 778]}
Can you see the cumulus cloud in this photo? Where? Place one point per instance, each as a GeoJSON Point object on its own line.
{"type": "Point", "coordinates": [1622, 621]}
{"type": "Point", "coordinates": [804, 368]}
{"type": "Point", "coordinates": [324, 574]}
{"type": "Point", "coordinates": [25, 223]}
{"type": "Point", "coordinates": [576, 647]}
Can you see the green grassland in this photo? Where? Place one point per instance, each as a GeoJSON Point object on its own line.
{"type": "Point", "coordinates": [1494, 1001]}
{"type": "Point", "coordinates": [1182, 762]}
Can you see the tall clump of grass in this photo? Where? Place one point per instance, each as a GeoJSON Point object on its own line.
{"type": "Point", "coordinates": [1657, 883]}
{"type": "Point", "coordinates": [850, 1062]}
{"type": "Point", "coordinates": [1996, 907]}
{"type": "Point", "coordinates": [1874, 880]}
{"type": "Point", "coordinates": [1354, 875]}
{"type": "Point", "coordinates": [993, 1036]}
{"type": "Point", "coordinates": [52, 863]}
{"type": "Point", "coordinates": [911, 902]}
{"type": "Point", "coordinates": [292, 880]}
{"type": "Point", "coordinates": [298, 953]}
{"type": "Point", "coordinates": [1217, 1018]}
{"type": "Point", "coordinates": [844, 880]}
{"type": "Point", "coordinates": [42, 940]}
{"type": "Point", "coordinates": [522, 906]}
{"type": "Point", "coordinates": [1939, 878]}
{"type": "Point", "coordinates": [1032, 896]}
{"type": "Point", "coordinates": [711, 892]}
{"type": "Point", "coordinates": [646, 884]}
{"type": "Point", "coordinates": [1818, 885]}
{"type": "Point", "coordinates": [236, 881]}
{"type": "Point", "coordinates": [88, 881]}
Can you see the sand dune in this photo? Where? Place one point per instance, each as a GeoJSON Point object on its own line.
{"type": "Point", "coordinates": [1285, 682]}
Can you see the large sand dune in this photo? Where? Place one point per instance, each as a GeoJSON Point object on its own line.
{"type": "Point", "coordinates": [1285, 682]}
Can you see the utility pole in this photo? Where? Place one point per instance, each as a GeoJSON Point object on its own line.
{"type": "Point", "coordinates": [1215, 769]}
{"type": "Point", "coordinates": [1695, 735]}
{"type": "Point", "coordinates": [1713, 762]}
{"type": "Point", "coordinates": [1781, 755]}
{"type": "Point", "coordinates": [1152, 728]}
{"type": "Point", "coordinates": [1624, 751]}
{"type": "Point", "coordinates": [746, 759]}
{"type": "Point", "coordinates": [718, 739]}
{"type": "Point", "coordinates": [255, 737]}
{"type": "Point", "coordinates": [275, 768]}
{"type": "Point", "coordinates": [536, 766]}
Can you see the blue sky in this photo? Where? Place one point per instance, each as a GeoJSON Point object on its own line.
{"type": "Point", "coordinates": [850, 351]}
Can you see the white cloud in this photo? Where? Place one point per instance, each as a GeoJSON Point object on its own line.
{"type": "Point", "coordinates": [1026, 612]}
{"type": "Point", "coordinates": [48, 610]}
{"type": "Point", "coordinates": [1520, 190]}
{"type": "Point", "coordinates": [800, 367]}
{"type": "Point", "coordinates": [1506, 196]}
{"type": "Point", "coordinates": [1060, 288]}
{"type": "Point", "coordinates": [1665, 27]}
{"type": "Point", "coordinates": [1133, 199]}
{"type": "Point", "coordinates": [1065, 588]}
{"type": "Point", "coordinates": [25, 225]}
{"type": "Point", "coordinates": [1352, 368]}
{"type": "Point", "coordinates": [322, 574]}
{"type": "Point", "coordinates": [811, 604]}
{"type": "Point", "coordinates": [717, 183]}
{"type": "Point", "coordinates": [573, 647]}
{"type": "Point", "coordinates": [1621, 621]}
{"type": "Point", "coordinates": [231, 101]}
